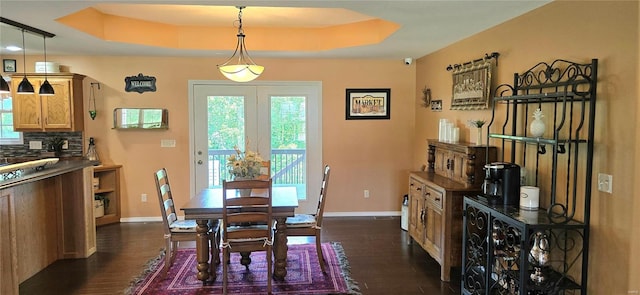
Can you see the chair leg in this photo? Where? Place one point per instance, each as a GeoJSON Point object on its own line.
{"type": "Point", "coordinates": [225, 266]}
{"type": "Point", "coordinates": [174, 251]}
{"type": "Point", "coordinates": [218, 240]}
{"type": "Point", "coordinates": [269, 267]}
{"type": "Point", "coordinates": [215, 249]}
{"type": "Point", "coordinates": [320, 255]}
{"type": "Point", "coordinates": [167, 255]}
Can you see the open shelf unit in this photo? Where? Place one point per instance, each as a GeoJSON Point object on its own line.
{"type": "Point", "coordinates": [507, 250]}
{"type": "Point", "coordinates": [109, 187]}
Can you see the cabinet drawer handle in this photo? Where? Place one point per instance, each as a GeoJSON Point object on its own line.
{"type": "Point", "coordinates": [448, 164]}
{"type": "Point", "coordinates": [437, 199]}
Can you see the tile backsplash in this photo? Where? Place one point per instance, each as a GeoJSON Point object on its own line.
{"type": "Point", "coordinates": [22, 150]}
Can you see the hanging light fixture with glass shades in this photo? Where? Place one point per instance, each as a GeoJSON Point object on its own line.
{"type": "Point", "coordinates": [25, 86]}
{"type": "Point", "coordinates": [46, 89]}
{"type": "Point", "coordinates": [245, 69]}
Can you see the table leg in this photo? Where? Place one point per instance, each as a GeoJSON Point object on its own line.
{"type": "Point", "coordinates": [202, 250]}
{"type": "Point", "coordinates": [245, 259]}
{"type": "Point", "coordinates": [280, 249]}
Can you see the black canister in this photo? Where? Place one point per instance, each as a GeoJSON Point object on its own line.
{"type": "Point", "coordinates": [511, 185]}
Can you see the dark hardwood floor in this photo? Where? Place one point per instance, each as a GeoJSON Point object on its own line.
{"type": "Point", "coordinates": [381, 260]}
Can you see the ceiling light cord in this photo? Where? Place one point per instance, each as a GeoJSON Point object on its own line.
{"type": "Point", "coordinates": [25, 86]}
{"type": "Point", "coordinates": [245, 69]}
{"type": "Point", "coordinates": [46, 89]}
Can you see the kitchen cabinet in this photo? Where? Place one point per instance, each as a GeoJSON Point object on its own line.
{"type": "Point", "coordinates": [45, 216]}
{"type": "Point", "coordinates": [8, 265]}
{"type": "Point", "coordinates": [107, 187]}
{"type": "Point", "coordinates": [508, 250]}
{"type": "Point", "coordinates": [62, 111]}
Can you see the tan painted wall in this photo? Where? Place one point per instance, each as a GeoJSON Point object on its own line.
{"type": "Point", "coordinates": [364, 154]}
{"type": "Point", "coordinates": [578, 31]}
{"type": "Point", "coordinates": [634, 265]}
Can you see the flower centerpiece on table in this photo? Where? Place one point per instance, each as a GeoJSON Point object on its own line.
{"type": "Point", "coordinates": [244, 165]}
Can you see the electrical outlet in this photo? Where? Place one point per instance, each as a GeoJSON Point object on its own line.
{"type": "Point", "coordinates": [65, 145]}
{"type": "Point", "coordinates": [168, 143]}
{"type": "Point", "coordinates": [35, 145]}
{"type": "Point", "coordinates": [366, 194]}
{"type": "Point", "coordinates": [143, 198]}
{"type": "Point", "coordinates": [605, 183]}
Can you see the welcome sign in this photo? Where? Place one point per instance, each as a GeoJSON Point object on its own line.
{"type": "Point", "coordinates": [140, 83]}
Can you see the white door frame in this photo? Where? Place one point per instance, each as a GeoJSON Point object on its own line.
{"type": "Point", "coordinates": [314, 143]}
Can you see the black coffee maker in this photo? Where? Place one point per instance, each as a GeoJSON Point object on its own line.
{"type": "Point", "coordinates": [502, 183]}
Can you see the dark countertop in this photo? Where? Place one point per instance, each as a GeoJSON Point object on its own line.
{"type": "Point", "coordinates": [63, 166]}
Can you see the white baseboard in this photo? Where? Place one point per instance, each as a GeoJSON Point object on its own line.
{"type": "Point", "coordinates": [360, 214]}
{"type": "Point", "coordinates": [142, 219]}
{"type": "Point", "coordinates": [326, 214]}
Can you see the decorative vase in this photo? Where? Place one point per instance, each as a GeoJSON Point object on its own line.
{"type": "Point", "coordinates": [539, 257]}
{"type": "Point", "coordinates": [243, 192]}
{"type": "Point", "coordinates": [539, 253]}
{"type": "Point", "coordinates": [479, 138]}
{"type": "Point", "coordinates": [537, 126]}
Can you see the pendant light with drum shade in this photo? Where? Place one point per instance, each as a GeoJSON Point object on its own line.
{"type": "Point", "coordinates": [245, 69]}
{"type": "Point", "coordinates": [25, 86]}
{"type": "Point", "coordinates": [46, 89]}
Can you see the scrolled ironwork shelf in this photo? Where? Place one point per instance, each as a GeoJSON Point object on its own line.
{"type": "Point", "coordinates": [535, 140]}
{"type": "Point", "coordinates": [542, 97]}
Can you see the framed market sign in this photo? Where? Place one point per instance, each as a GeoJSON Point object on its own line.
{"type": "Point", "coordinates": [368, 104]}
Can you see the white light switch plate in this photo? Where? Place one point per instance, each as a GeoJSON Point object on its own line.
{"type": "Point", "coordinates": [605, 183]}
{"type": "Point", "coordinates": [168, 143]}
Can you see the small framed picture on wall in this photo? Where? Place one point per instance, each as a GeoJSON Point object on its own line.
{"type": "Point", "coordinates": [9, 65]}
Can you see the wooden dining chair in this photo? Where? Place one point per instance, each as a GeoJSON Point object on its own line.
{"type": "Point", "coordinates": [265, 170]}
{"type": "Point", "coordinates": [247, 223]}
{"type": "Point", "coordinates": [311, 224]}
{"type": "Point", "coordinates": [175, 230]}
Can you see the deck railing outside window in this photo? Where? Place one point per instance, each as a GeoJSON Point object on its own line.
{"type": "Point", "coordinates": [288, 167]}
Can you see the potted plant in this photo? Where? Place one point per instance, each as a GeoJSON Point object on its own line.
{"type": "Point", "coordinates": [55, 145]}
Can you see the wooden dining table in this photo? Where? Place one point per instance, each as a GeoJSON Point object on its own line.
{"type": "Point", "coordinates": [206, 205]}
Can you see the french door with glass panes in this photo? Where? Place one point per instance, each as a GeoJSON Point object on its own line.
{"type": "Point", "coordinates": [280, 121]}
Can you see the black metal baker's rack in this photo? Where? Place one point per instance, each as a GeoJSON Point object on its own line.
{"type": "Point", "coordinates": [499, 240]}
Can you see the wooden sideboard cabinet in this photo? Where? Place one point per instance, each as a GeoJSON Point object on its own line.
{"type": "Point", "coordinates": [62, 111]}
{"type": "Point", "coordinates": [462, 162]}
{"type": "Point", "coordinates": [108, 187]}
{"type": "Point", "coordinates": [435, 199]}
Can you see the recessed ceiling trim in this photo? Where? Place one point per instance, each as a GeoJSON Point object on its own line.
{"type": "Point", "coordinates": [143, 32]}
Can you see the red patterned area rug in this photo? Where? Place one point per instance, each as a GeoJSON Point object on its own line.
{"type": "Point", "coordinates": [304, 275]}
